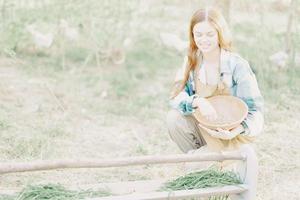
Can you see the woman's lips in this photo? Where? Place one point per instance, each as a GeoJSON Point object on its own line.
{"type": "Point", "coordinates": [205, 46]}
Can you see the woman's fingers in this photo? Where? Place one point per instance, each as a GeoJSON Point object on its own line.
{"type": "Point", "coordinates": [220, 129]}
{"type": "Point", "coordinates": [207, 129]}
{"type": "Point", "coordinates": [219, 133]}
{"type": "Point", "coordinates": [223, 131]}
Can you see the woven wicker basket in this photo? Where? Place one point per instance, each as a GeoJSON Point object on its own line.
{"type": "Point", "coordinates": [231, 111]}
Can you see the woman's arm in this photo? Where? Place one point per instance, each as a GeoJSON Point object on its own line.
{"type": "Point", "coordinates": [183, 101]}
{"type": "Point", "coordinates": [247, 89]}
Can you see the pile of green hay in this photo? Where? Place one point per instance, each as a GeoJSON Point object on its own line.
{"type": "Point", "coordinates": [203, 179]}
{"type": "Point", "coordinates": [54, 192]}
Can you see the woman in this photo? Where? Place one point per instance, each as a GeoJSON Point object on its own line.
{"type": "Point", "coordinates": [211, 68]}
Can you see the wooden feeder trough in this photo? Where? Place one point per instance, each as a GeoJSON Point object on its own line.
{"type": "Point", "coordinates": [145, 190]}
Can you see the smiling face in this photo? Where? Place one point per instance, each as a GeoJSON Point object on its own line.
{"type": "Point", "coordinates": [205, 36]}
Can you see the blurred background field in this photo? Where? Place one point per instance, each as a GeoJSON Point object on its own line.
{"type": "Point", "coordinates": [91, 79]}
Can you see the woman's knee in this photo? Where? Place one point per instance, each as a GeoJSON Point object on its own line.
{"type": "Point", "coordinates": [180, 130]}
{"type": "Point", "coordinates": [173, 118]}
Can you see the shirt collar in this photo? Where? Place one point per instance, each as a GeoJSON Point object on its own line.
{"type": "Point", "coordinates": [224, 61]}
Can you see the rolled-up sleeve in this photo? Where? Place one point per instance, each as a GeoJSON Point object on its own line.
{"type": "Point", "coordinates": [183, 101]}
{"type": "Point", "coordinates": [247, 89]}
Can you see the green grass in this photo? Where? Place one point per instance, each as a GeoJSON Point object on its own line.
{"type": "Point", "coordinates": [137, 90]}
{"type": "Point", "coordinates": [4, 125]}
{"type": "Point", "coordinates": [53, 192]}
{"type": "Point", "coordinates": [21, 147]}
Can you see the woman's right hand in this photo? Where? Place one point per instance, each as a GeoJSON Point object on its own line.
{"type": "Point", "coordinates": [205, 108]}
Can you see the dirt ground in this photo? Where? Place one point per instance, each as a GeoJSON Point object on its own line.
{"type": "Point", "coordinates": [46, 116]}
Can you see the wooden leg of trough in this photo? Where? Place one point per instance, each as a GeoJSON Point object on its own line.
{"type": "Point", "coordinates": [248, 171]}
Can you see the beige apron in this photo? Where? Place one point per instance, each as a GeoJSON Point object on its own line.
{"type": "Point", "coordinates": [215, 144]}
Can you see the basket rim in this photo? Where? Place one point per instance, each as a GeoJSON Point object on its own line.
{"type": "Point", "coordinates": [226, 125]}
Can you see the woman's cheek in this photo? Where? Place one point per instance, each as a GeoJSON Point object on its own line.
{"type": "Point", "coordinates": [216, 41]}
{"type": "Point", "coordinates": [197, 43]}
{"type": "Point", "coordinates": [213, 40]}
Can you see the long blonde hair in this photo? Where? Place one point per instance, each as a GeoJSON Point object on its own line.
{"type": "Point", "coordinates": [217, 20]}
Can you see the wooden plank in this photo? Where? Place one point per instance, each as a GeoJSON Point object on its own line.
{"type": "Point", "coordinates": [117, 188]}
{"type": "Point", "coordinates": [205, 192]}
{"type": "Point", "coordinates": [118, 162]}
{"type": "Point", "coordinates": [128, 187]}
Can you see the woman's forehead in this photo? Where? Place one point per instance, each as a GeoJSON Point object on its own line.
{"type": "Point", "coordinates": [203, 27]}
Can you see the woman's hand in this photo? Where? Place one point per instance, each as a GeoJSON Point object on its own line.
{"type": "Point", "coordinates": [223, 134]}
{"type": "Point", "coordinates": [205, 108]}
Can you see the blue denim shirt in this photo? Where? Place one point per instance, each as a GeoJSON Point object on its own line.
{"type": "Point", "coordinates": [241, 80]}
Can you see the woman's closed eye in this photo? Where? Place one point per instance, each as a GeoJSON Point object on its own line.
{"type": "Point", "coordinates": [210, 34]}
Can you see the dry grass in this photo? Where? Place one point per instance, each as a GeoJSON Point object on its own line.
{"type": "Point", "coordinates": [49, 112]}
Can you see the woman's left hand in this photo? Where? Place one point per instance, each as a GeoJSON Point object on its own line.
{"type": "Point", "coordinates": [221, 133]}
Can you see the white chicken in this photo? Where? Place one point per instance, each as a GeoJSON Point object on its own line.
{"type": "Point", "coordinates": [279, 59]}
{"type": "Point", "coordinates": [69, 32]}
{"type": "Point", "coordinates": [40, 40]}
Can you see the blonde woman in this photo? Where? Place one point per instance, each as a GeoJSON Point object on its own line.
{"type": "Point", "coordinates": [212, 68]}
